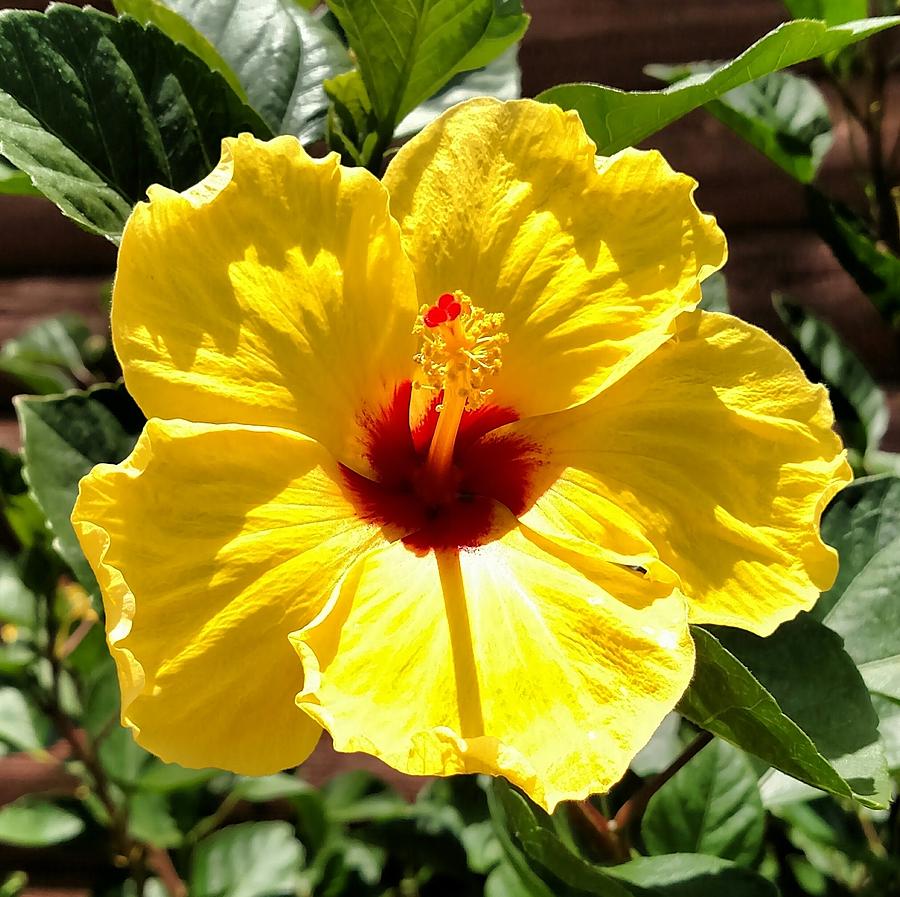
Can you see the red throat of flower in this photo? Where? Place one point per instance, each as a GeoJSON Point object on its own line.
{"type": "Point", "coordinates": [445, 481]}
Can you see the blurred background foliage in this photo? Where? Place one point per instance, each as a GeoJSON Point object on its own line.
{"type": "Point", "coordinates": [778, 771]}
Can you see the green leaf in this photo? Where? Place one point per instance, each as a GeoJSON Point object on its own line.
{"type": "Point", "coordinates": [155, 12]}
{"type": "Point", "coordinates": [616, 119]}
{"type": "Point", "coordinates": [24, 517]}
{"type": "Point", "coordinates": [351, 127]}
{"type": "Point", "coordinates": [15, 183]}
{"type": "Point", "coordinates": [63, 437]}
{"type": "Point", "coordinates": [254, 859]}
{"type": "Point", "coordinates": [726, 699]}
{"type": "Point", "coordinates": [834, 12]}
{"type": "Point", "coordinates": [784, 116]}
{"type": "Point", "coordinates": [22, 726]}
{"type": "Point", "coordinates": [715, 294]}
{"type": "Point", "coordinates": [841, 370]}
{"type": "Point", "coordinates": [14, 884]}
{"type": "Point", "coordinates": [18, 604]}
{"type": "Point", "coordinates": [863, 607]}
{"type": "Point", "coordinates": [279, 52]}
{"type": "Point", "coordinates": [888, 711]}
{"type": "Point", "coordinates": [56, 346]}
{"type": "Point", "coordinates": [663, 747]}
{"type": "Point", "coordinates": [552, 868]}
{"type": "Point", "coordinates": [262, 789]}
{"type": "Point", "coordinates": [710, 806]}
{"type": "Point", "coordinates": [861, 520]}
{"type": "Point", "coordinates": [689, 875]}
{"type": "Point", "coordinates": [503, 881]}
{"type": "Point", "coordinates": [150, 820]}
{"type": "Point", "coordinates": [37, 824]}
{"type": "Point", "coordinates": [16, 658]}
{"type": "Point", "coordinates": [802, 661]}
{"type": "Point", "coordinates": [95, 109]}
{"type": "Point", "coordinates": [122, 757]}
{"type": "Point", "coordinates": [502, 79]}
{"type": "Point", "coordinates": [166, 778]}
{"type": "Point", "coordinates": [875, 269]}
{"type": "Point", "coordinates": [408, 51]}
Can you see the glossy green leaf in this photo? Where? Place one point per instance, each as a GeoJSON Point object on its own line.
{"type": "Point", "coordinates": [122, 757]}
{"type": "Point", "coordinates": [726, 699]}
{"type": "Point", "coordinates": [540, 858]}
{"type": "Point", "coordinates": [408, 51]}
{"type": "Point", "coordinates": [95, 109]}
{"type": "Point", "coordinates": [155, 12]}
{"type": "Point", "coordinates": [502, 79]}
{"type": "Point", "coordinates": [841, 370]}
{"type": "Point", "coordinates": [150, 820]}
{"type": "Point", "coordinates": [691, 875]}
{"type": "Point", "coordinates": [22, 726]}
{"type": "Point", "coordinates": [279, 52]}
{"type": "Point", "coordinates": [784, 116]}
{"type": "Point", "coordinates": [15, 183]}
{"type": "Point", "coordinates": [888, 711]}
{"type": "Point", "coordinates": [351, 128]}
{"type": "Point", "coordinates": [710, 806]}
{"type": "Point", "coordinates": [616, 119]}
{"type": "Point", "coordinates": [261, 789]}
{"type": "Point", "coordinates": [715, 294]}
{"type": "Point", "coordinates": [48, 357]}
{"type": "Point", "coordinates": [253, 859]}
{"type": "Point", "coordinates": [861, 520]}
{"type": "Point", "coordinates": [663, 747]}
{"type": "Point", "coordinates": [15, 659]}
{"type": "Point", "coordinates": [166, 778]}
{"type": "Point", "coordinates": [864, 605]}
{"type": "Point", "coordinates": [63, 437]}
{"type": "Point", "coordinates": [18, 604]}
{"type": "Point", "coordinates": [64, 340]}
{"type": "Point", "coordinates": [799, 664]}
{"type": "Point", "coordinates": [875, 269]}
{"type": "Point", "coordinates": [13, 885]}
{"type": "Point", "coordinates": [504, 882]}
{"type": "Point", "coordinates": [25, 519]}
{"type": "Point", "coordinates": [37, 824]}
{"type": "Point", "coordinates": [834, 12]}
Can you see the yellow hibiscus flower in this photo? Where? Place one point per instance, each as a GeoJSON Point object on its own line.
{"type": "Point", "coordinates": [444, 464]}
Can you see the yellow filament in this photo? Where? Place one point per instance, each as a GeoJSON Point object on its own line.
{"type": "Point", "coordinates": [456, 357]}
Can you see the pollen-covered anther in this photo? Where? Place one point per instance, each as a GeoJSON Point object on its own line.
{"type": "Point", "coordinates": [461, 346]}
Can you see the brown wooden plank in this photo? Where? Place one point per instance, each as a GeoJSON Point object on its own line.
{"type": "Point", "coordinates": [38, 239]}
{"type": "Point", "coordinates": [27, 300]}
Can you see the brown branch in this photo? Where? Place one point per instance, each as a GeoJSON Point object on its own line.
{"type": "Point", "coordinates": [128, 851]}
{"type": "Point", "coordinates": [609, 843]}
{"type": "Point", "coordinates": [633, 809]}
{"type": "Point", "coordinates": [161, 863]}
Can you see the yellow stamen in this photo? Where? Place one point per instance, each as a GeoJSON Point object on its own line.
{"type": "Point", "coordinates": [457, 355]}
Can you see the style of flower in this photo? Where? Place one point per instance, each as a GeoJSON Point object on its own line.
{"type": "Point", "coordinates": [445, 464]}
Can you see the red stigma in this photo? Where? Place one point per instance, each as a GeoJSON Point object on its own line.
{"type": "Point", "coordinates": [434, 316]}
{"type": "Point", "coordinates": [445, 309]}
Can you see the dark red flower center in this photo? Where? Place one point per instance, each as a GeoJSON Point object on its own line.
{"type": "Point", "coordinates": [461, 512]}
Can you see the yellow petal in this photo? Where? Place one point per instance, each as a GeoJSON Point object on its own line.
{"type": "Point", "coordinates": [274, 293]}
{"type": "Point", "coordinates": [211, 544]}
{"type": "Point", "coordinates": [501, 660]}
{"type": "Point", "coordinates": [723, 453]}
{"type": "Point", "coordinates": [588, 260]}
